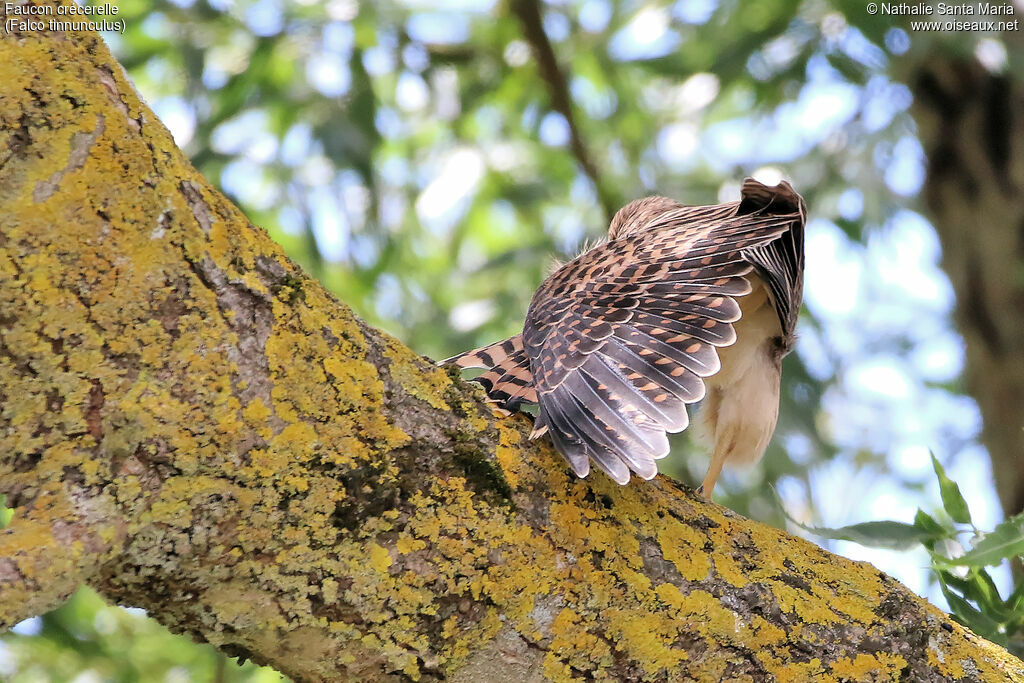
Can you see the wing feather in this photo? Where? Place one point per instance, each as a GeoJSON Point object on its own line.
{"type": "Point", "coordinates": [508, 379]}
{"type": "Point", "coordinates": [620, 339]}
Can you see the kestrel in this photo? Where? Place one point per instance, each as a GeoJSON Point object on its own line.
{"type": "Point", "coordinates": [679, 304]}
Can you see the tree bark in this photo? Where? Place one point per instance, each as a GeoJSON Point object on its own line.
{"type": "Point", "coordinates": [190, 425]}
{"type": "Point", "coordinates": [972, 128]}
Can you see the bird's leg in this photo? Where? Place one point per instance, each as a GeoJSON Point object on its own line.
{"type": "Point", "coordinates": [714, 469]}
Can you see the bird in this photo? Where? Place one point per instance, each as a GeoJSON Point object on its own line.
{"type": "Point", "coordinates": [678, 305]}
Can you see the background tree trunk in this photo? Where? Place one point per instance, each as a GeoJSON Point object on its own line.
{"type": "Point", "coordinates": [191, 425]}
{"type": "Point", "coordinates": [972, 129]}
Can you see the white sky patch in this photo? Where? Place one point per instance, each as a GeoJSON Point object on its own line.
{"type": "Point", "coordinates": [340, 10]}
{"type": "Point", "coordinates": [645, 36]}
{"type": "Point", "coordinates": [443, 28]}
{"type": "Point", "coordinates": [833, 272]}
{"type": "Point", "coordinates": [554, 130]}
{"type": "Point", "coordinates": [246, 135]}
{"type": "Point", "coordinates": [517, 53]}
{"type": "Point", "coordinates": [506, 156]}
{"type": "Point", "coordinates": [415, 57]}
{"type": "Point", "coordinates": [730, 140]}
{"type": "Point", "coordinates": [905, 172]}
{"type": "Point", "coordinates": [694, 11]}
{"type": "Point", "coordinates": [556, 25]}
{"type": "Point", "coordinates": [780, 52]}
{"type": "Point", "coordinates": [379, 60]}
{"type": "Point", "coordinates": [697, 92]}
{"type": "Point", "coordinates": [991, 53]}
{"type": "Point", "coordinates": [411, 93]}
{"type": "Point", "coordinates": [897, 41]}
{"type": "Point", "coordinates": [769, 175]}
{"type": "Point", "coordinates": [316, 170]}
{"type": "Point", "coordinates": [179, 118]}
{"type": "Point", "coordinates": [265, 17]}
{"type": "Point", "coordinates": [729, 191]}
{"type": "Point", "coordinates": [594, 15]}
{"type": "Point", "coordinates": [912, 460]}
{"type": "Point", "coordinates": [851, 204]}
{"type": "Point", "coordinates": [355, 199]}
{"type": "Point", "coordinates": [474, 6]}
{"type": "Point", "coordinates": [821, 108]}
{"type": "Point", "coordinates": [328, 72]}
{"type": "Point", "coordinates": [676, 144]}
{"type": "Point", "coordinates": [459, 175]}
{"type": "Point", "coordinates": [598, 103]}
{"type": "Point", "coordinates": [330, 225]}
{"type": "Point", "coordinates": [292, 220]}
{"type": "Point", "coordinates": [388, 296]}
{"type": "Point", "coordinates": [904, 258]}
{"type": "Point", "coordinates": [939, 358]}
{"type": "Point", "coordinates": [471, 314]}
{"type": "Point", "coordinates": [445, 82]}
{"type": "Point", "coordinates": [296, 145]}
{"type": "Point", "coordinates": [338, 37]}
{"type": "Point", "coordinates": [32, 626]}
{"type": "Point", "coordinates": [250, 183]}
{"type": "Point", "coordinates": [882, 378]}
{"type": "Point", "coordinates": [833, 24]}
{"type": "Point", "coordinates": [883, 101]}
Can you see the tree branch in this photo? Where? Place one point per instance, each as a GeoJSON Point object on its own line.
{"type": "Point", "coordinates": [191, 425]}
{"type": "Point", "coordinates": [972, 128]}
{"type": "Point", "coordinates": [529, 14]}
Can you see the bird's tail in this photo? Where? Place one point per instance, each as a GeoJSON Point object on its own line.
{"type": "Point", "coordinates": [508, 379]}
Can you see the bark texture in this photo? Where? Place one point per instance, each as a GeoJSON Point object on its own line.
{"type": "Point", "coordinates": [191, 425]}
{"type": "Point", "coordinates": [972, 129]}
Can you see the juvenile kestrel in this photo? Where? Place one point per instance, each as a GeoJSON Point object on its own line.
{"type": "Point", "coordinates": [680, 303]}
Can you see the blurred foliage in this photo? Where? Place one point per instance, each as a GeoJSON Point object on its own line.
{"type": "Point", "coordinates": [86, 640]}
{"type": "Point", "coordinates": [6, 513]}
{"type": "Point", "coordinates": [407, 155]}
{"type": "Point", "coordinates": [968, 587]}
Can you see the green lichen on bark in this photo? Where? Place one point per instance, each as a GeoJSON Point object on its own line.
{"type": "Point", "coordinates": [189, 424]}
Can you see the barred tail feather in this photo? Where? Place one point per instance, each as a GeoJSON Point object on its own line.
{"type": "Point", "coordinates": [508, 379]}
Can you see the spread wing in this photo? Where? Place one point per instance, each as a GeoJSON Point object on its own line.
{"type": "Point", "coordinates": [620, 339]}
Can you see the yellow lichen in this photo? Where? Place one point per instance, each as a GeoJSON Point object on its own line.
{"type": "Point", "coordinates": [380, 558]}
{"type": "Point", "coordinates": [428, 384]}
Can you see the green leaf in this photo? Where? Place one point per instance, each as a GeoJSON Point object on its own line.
{"type": "Point", "coordinates": [1004, 542]}
{"type": "Point", "coordinates": [1016, 600]}
{"type": "Point", "coordinates": [971, 617]}
{"type": "Point", "coordinates": [6, 513]}
{"type": "Point", "coordinates": [883, 534]}
{"type": "Point", "coordinates": [952, 500]}
{"type": "Point", "coordinates": [927, 524]}
{"type": "Point", "coordinates": [977, 586]}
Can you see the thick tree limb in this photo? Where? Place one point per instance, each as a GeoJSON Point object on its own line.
{"type": "Point", "coordinates": [972, 129]}
{"type": "Point", "coordinates": [191, 425]}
